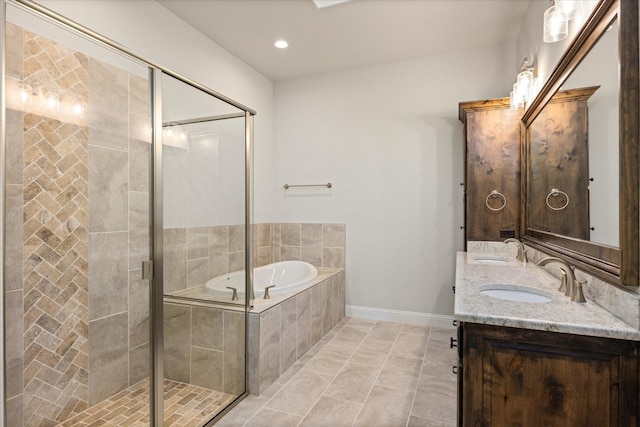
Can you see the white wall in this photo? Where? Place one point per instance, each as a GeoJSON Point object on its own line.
{"type": "Point", "coordinates": [151, 31]}
{"type": "Point", "coordinates": [389, 139]}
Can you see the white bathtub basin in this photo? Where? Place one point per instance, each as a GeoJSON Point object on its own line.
{"type": "Point", "coordinates": [285, 275]}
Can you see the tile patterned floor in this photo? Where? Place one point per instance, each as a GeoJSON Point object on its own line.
{"type": "Point", "coordinates": [185, 405]}
{"type": "Point", "coordinates": [363, 373]}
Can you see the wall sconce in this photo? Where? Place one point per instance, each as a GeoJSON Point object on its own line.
{"type": "Point", "coordinates": [557, 17]}
{"type": "Point", "coordinates": [525, 88]}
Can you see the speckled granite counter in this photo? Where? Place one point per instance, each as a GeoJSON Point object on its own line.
{"type": "Point", "coordinates": [559, 315]}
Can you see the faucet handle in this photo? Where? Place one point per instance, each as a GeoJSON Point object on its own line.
{"type": "Point", "coordinates": [578, 295]}
{"type": "Point", "coordinates": [266, 291]}
{"type": "Point", "coordinates": [563, 281]}
{"type": "Point", "coordinates": [234, 297]}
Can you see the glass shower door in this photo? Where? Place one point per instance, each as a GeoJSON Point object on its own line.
{"type": "Point", "coordinates": [76, 312]}
{"type": "Point", "coordinates": [203, 238]}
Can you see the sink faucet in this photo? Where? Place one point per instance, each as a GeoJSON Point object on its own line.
{"type": "Point", "coordinates": [522, 254]}
{"type": "Point", "coordinates": [572, 287]}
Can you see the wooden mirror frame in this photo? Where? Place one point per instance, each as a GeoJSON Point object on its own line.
{"type": "Point", "coordinates": [616, 265]}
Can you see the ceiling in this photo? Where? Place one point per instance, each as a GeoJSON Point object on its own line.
{"type": "Point", "coordinates": [349, 34]}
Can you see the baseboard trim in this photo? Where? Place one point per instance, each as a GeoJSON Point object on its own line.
{"type": "Point", "coordinates": [412, 317]}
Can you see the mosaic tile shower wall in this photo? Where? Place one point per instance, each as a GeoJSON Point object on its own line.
{"type": "Point", "coordinates": [77, 228]}
{"type": "Point", "coordinates": [55, 232]}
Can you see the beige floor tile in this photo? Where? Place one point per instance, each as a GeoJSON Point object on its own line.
{"type": "Point", "coordinates": [331, 412]}
{"type": "Point", "coordinates": [409, 345]}
{"type": "Point", "coordinates": [376, 345]}
{"type": "Point", "coordinates": [415, 329]}
{"type": "Point", "coordinates": [445, 356]}
{"type": "Point", "coordinates": [327, 362]}
{"type": "Point", "coordinates": [363, 324]}
{"type": "Point", "coordinates": [352, 333]}
{"type": "Point", "coordinates": [267, 417]}
{"type": "Point", "coordinates": [423, 422]}
{"type": "Point", "coordinates": [243, 411]}
{"type": "Point", "coordinates": [353, 383]}
{"type": "Point", "coordinates": [340, 345]}
{"type": "Point", "coordinates": [441, 338]}
{"type": "Point", "coordinates": [435, 399]}
{"type": "Point", "coordinates": [397, 379]}
{"type": "Point", "coordinates": [368, 357]}
{"type": "Point", "coordinates": [300, 394]}
{"type": "Point", "coordinates": [407, 364]}
{"type": "Point", "coordinates": [385, 407]}
{"type": "Point", "coordinates": [385, 331]}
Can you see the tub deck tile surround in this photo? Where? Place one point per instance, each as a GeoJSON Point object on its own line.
{"type": "Point", "coordinates": [403, 379]}
{"type": "Point", "coordinates": [282, 329]}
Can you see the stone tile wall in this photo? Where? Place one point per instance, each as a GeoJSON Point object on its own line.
{"type": "Point", "coordinates": [205, 346]}
{"type": "Point", "coordinates": [119, 159]}
{"type": "Point", "coordinates": [281, 335]}
{"type": "Point", "coordinates": [322, 245]}
{"type": "Point", "coordinates": [194, 255]}
{"type": "Point", "coordinates": [77, 227]}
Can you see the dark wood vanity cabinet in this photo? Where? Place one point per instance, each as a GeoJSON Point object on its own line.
{"type": "Point", "coordinates": [522, 377]}
{"type": "Point", "coordinates": [492, 164]}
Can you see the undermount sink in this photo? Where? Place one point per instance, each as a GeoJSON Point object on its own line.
{"type": "Point", "coordinates": [491, 259]}
{"type": "Point", "coordinates": [516, 293]}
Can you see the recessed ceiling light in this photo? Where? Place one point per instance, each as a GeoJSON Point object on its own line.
{"type": "Point", "coordinates": [281, 44]}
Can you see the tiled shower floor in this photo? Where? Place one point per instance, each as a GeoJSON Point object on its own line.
{"type": "Point", "coordinates": [185, 405]}
{"type": "Point", "coordinates": [363, 373]}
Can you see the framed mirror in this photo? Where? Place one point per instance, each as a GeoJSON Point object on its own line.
{"type": "Point", "coordinates": [580, 151]}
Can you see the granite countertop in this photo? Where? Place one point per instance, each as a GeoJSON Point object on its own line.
{"type": "Point", "coordinates": [474, 271]}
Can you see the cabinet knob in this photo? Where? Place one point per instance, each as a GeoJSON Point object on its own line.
{"type": "Point", "coordinates": [454, 342]}
{"type": "Point", "coordinates": [453, 289]}
{"type": "Point", "coordinates": [454, 369]}
{"type": "Point", "coordinates": [455, 323]}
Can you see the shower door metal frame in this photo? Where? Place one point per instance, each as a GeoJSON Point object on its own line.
{"type": "Point", "coordinates": [156, 282]}
{"type": "Point", "coordinates": [3, 394]}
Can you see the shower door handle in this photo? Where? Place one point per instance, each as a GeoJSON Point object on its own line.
{"type": "Point", "coordinates": [147, 270]}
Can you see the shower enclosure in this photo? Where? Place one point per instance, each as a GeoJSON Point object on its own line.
{"type": "Point", "coordinates": [126, 188]}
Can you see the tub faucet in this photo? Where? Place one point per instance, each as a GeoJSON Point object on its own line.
{"type": "Point", "coordinates": [522, 253]}
{"type": "Point", "coordinates": [573, 288]}
{"type": "Point", "coordinates": [266, 291]}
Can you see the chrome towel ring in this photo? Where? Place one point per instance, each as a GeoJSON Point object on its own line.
{"type": "Point", "coordinates": [555, 193]}
{"type": "Point", "coordinates": [494, 194]}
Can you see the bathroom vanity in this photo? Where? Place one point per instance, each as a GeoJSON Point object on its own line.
{"type": "Point", "coordinates": [553, 363]}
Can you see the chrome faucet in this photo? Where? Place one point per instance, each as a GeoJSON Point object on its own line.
{"type": "Point", "coordinates": [571, 287]}
{"type": "Point", "coordinates": [522, 253]}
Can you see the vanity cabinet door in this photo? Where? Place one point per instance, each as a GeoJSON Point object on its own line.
{"type": "Point", "coordinates": [518, 377]}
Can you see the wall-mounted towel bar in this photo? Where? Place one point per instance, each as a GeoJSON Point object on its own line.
{"type": "Point", "coordinates": [287, 186]}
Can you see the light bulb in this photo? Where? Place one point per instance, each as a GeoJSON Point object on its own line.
{"type": "Point", "coordinates": [24, 93]}
{"type": "Point", "coordinates": [568, 7]}
{"type": "Point", "coordinates": [556, 25]}
{"type": "Point", "coordinates": [78, 109]}
{"type": "Point", "coordinates": [281, 44]}
{"type": "Point", "coordinates": [52, 101]}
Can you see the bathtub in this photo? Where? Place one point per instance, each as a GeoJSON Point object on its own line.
{"type": "Point", "coordinates": [286, 275]}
